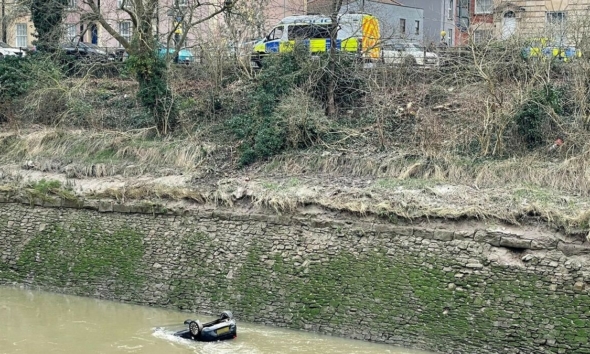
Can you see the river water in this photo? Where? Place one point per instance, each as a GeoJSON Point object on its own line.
{"type": "Point", "coordinates": [34, 322]}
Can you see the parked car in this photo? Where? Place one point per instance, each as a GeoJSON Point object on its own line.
{"type": "Point", "coordinates": [6, 50]}
{"type": "Point", "coordinates": [88, 51]}
{"type": "Point", "coordinates": [408, 53]}
{"type": "Point", "coordinates": [184, 55]}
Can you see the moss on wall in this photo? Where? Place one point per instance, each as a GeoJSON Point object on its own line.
{"type": "Point", "coordinates": [83, 256]}
{"type": "Point", "coordinates": [408, 289]}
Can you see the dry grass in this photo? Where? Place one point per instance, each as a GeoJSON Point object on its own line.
{"type": "Point", "coordinates": [571, 175]}
{"type": "Point", "coordinates": [80, 153]}
{"type": "Point", "coordinates": [150, 192]}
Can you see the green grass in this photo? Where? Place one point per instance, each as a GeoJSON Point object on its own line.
{"type": "Point", "coordinates": [412, 183]}
{"type": "Point", "coordinates": [45, 186]}
{"type": "Point", "coordinates": [534, 194]}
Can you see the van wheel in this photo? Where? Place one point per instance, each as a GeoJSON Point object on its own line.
{"type": "Point", "coordinates": [257, 60]}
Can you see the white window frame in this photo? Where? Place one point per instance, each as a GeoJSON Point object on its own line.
{"type": "Point", "coordinates": [484, 6]}
{"type": "Point", "coordinates": [71, 31]}
{"type": "Point", "coordinates": [450, 36]}
{"type": "Point", "coordinates": [417, 27]}
{"type": "Point", "coordinates": [403, 24]}
{"type": "Point", "coordinates": [72, 4]}
{"type": "Point", "coordinates": [126, 33]}
{"type": "Point", "coordinates": [22, 35]}
{"type": "Point", "coordinates": [182, 3]}
{"type": "Point", "coordinates": [451, 10]}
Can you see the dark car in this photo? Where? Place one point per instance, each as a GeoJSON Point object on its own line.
{"type": "Point", "coordinates": [220, 329]}
{"type": "Point", "coordinates": [81, 50]}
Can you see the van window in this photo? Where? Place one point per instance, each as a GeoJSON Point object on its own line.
{"type": "Point", "coordinates": [299, 32]}
{"type": "Point", "coordinates": [276, 33]}
{"type": "Point", "coordinates": [308, 31]}
{"type": "Point", "coordinates": [320, 31]}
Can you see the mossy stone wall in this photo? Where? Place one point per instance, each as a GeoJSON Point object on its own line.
{"type": "Point", "coordinates": [450, 291]}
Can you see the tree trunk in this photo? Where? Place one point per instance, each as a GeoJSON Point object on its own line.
{"type": "Point", "coordinates": [155, 93]}
{"type": "Point", "coordinates": [332, 77]}
{"type": "Point", "coordinates": [152, 75]}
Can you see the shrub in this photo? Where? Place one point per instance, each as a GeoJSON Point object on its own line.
{"type": "Point", "coordinates": [533, 120]}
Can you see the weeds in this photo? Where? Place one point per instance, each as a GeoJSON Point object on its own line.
{"type": "Point", "coordinates": [43, 188]}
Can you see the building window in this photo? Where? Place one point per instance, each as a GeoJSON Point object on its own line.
{"type": "Point", "coordinates": [21, 35]}
{"type": "Point", "coordinates": [555, 18]}
{"type": "Point", "coordinates": [556, 22]}
{"type": "Point", "coordinates": [125, 30]}
{"type": "Point", "coordinates": [450, 36]}
{"type": "Point", "coordinates": [182, 3]}
{"type": "Point", "coordinates": [451, 12]}
{"type": "Point", "coordinates": [483, 6]}
{"type": "Point", "coordinates": [417, 27]}
{"type": "Point", "coordinates": [72, 4]}
{"type": "Point", "coordinates": [402, 25]}
{"type": "Point", "coordinates": [71, 32]}
{"type": "Point", "coordinates": [482, 36]}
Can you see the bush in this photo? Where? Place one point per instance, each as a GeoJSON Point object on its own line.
{"type": "Point", "coordinates": [298, 121]}
{"type": "Point", "coordinates": [19, 75]}
{"type": "Point", "coordinates": [286, 102]}
{"type": "Point", "coordinates": [534, 120]}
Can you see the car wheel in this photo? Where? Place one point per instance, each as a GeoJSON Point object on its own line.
{"type": "Point", "coordinates": [195, 327]}
{"type": "Point", "coordinates": [226, 315]}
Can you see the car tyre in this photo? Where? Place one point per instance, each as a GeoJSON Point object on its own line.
{"type": "Point", "coordinates": [195, 327]}
{"type": "Point", "coordinates": [226, 315]}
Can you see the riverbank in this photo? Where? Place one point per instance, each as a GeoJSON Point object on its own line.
{"type": "Point", "coordinates": [447, 286]}
{"type": "Point", "coordinates": [397, 186]}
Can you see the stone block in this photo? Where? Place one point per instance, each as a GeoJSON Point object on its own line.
{"type": "Point", "coordinates": [402, 230]}
{"type": "Point", "coordinates": [259, 217]}
{"type": "Point", "coordinates": [474, 265]}
{"type": "Point", "coordinates": [320, 224]}
{"type": "Point", "coordinates": [105, 207]}
{"type": "Point", "coordinates": [463, 235]}
{"type": "Point", "coordinates": [579, 286]}
{"type": "Point", "coordinates": [222, 215]}
{"type": "Point", "coordinates": [72, 203]}
{"type": "Point", "coordinates": [383, 228]}
{"type": "Point", "coordinates": [443, 235]}
{"type": "Point", "coordinates": [90, 204]}
{"type": "Point", "coordinates": [52, 202]}
{"type": "Point", "coordinates": [544, 244]}
{"type": "Point", "coordinates": [493, 238]}
{"type": "Point", "coordinates": [515, 242]}
{"type": "Point", "coordinates": [121, 208]}
{"type": "Point", "coordinates": [424, 233]}
{"type": "Point", "coordinates": [570, 249]}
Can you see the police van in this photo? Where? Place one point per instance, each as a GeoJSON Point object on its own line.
{"type": "Point", "coordinates": [357, 33]}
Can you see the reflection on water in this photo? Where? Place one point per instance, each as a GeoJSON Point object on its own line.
{"type": "Point", "coordinates": [37, 322]}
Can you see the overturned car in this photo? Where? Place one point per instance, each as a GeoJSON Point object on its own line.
{"type": "Point", "coordinates": [220, 329]}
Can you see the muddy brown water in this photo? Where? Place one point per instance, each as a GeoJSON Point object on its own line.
{"type": "Point", "coordinates": [34, 322]}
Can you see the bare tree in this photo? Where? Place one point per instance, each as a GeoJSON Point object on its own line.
{"type": "Point", "coordinates": [150, 69]}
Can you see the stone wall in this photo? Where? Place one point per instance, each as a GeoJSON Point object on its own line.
{"type": "Point", "coordinates": [442, 288]}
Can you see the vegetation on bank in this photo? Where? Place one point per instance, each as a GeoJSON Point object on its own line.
{"type": "Point", "coordinates": [487, 119]}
